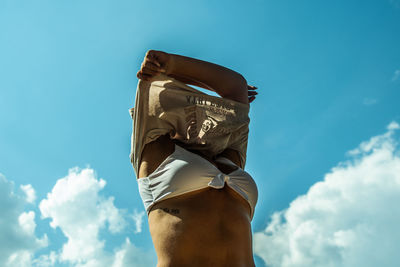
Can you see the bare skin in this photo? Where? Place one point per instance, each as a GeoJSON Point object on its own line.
{"type": "Point", "coordinates": [208, 227]}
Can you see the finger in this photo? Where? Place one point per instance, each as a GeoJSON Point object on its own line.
{"type": "Point", "coordinates": [151, 56]}
{"type": "Point", "coordinates": [149, 71]}
{"type": "Point", "coordinates": [153, 61]}
{"type": "Point", "coordinates": [250, 93]}
{"type": "Point", "coordinates": [251, 99]}
{"type": "Point", "coordinates": [139, 75]}
{"type": "Point", "coordinates": [150, 65]}
{"type": "Point", "coordinates": [143, 76]}
{"type": "Point", "coordinates": [251, 87]}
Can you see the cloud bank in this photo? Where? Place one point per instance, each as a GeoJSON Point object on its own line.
{"type": "Point", "coordinates": [351, 218]}
{"type": "Point", "coordinates": [77, 206]}
{"type": "Point", "coordinates": [17, 227]}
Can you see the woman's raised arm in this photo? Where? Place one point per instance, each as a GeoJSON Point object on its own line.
{"type": "Point", "coordinates": [225, 82]}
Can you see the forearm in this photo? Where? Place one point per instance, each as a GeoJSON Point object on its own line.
{"type": "Point", "coordinates": [226, 82]}
{"type": "Point", "coordinates": [191, 81]}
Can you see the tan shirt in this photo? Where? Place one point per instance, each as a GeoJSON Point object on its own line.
{"type": "Point", "coordinates": [197, 121]}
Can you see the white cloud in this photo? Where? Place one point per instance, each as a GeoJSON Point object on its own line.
{"type": "Point", "coordinates": [17, 228]}
{"type": "Point", "coordinates": [21, 258]}
{"type": "Point", "coordinates": [46, 260]}
{"type": "Point", "coordinates": [396, 74]}
{"type": "Point", "coordinates": [349, 219]}
{"type": "Point", "coordinates": [130, 255]}
{"type": "Point", "coordinates": [29, 193]}
{"type": "Point", "coordinates": [27, 222]}
{"type": "Point", "coordinates": [369, 101]}
{"type": "Point", "coordinates": [138, 220]}
{"type": "Point", "coordinates": [78, 208]}
{"type": "Point", "coordinates": [393, 126]}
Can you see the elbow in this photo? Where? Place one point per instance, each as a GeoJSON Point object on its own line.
{"type": "Point", "coordinates": [234, 81]}
{"type": "Point", "coordinates": [236, 89]}
{"type": "Point", "coordinates": [243, 83]}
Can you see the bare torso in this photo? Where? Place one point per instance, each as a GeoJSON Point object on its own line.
{"type": "Point", "coordinates": [208, 227]}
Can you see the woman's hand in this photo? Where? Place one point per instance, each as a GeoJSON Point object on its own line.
{"type": "Point", "coordinates": [226, 82]}
{"type": "Point", "coordinates": [155, 62]}
{"type": "Point", "coordinates": [251, 93]}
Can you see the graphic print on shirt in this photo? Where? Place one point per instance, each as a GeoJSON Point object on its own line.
{"type": "Point", "coordinates": [198, 124]}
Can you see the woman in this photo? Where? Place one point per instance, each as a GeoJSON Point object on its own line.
{"type": "Point", "coordinates": [194, 218]}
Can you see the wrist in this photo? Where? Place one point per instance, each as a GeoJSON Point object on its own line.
{"type": "Point", "coordinates": [170, 64]}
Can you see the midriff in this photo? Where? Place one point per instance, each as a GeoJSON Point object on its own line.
{"type": "Point", "coordinates": [208, 227]}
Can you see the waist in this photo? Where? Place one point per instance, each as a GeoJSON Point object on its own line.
{"type": "Point", "coordinates": [219, 220]}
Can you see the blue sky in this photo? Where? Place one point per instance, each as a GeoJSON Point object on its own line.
{"type": "Point", "coordinates": [328, 75]}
